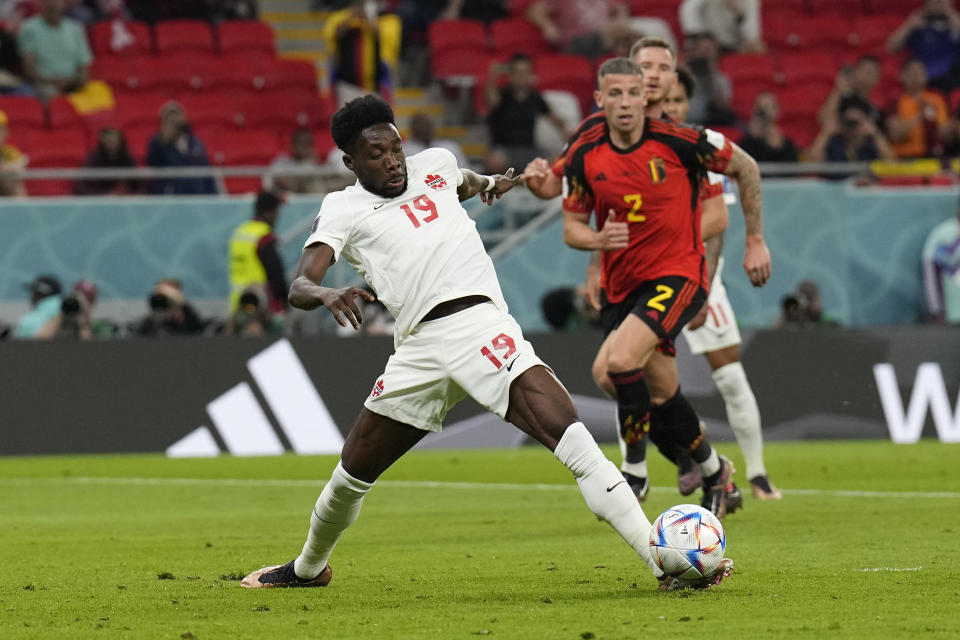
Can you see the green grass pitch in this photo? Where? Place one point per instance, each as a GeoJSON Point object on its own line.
{"type": "Point", "coordinates": [467, 544]}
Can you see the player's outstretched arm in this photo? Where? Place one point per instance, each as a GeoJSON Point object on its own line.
{"type": "Point", "coordinates": [307, 293]}
{"type": "Point", "coordinates": [756, 259]}
{"type": "Point", "coordinates": [489, 187]}
{"type": "Point", "coordinates": [540, 180]}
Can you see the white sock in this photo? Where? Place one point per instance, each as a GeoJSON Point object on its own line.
{"type": "Point", "coordinates": [711, 465]}
{"type": "Point", "coordinates": [605, 491]}
{"type": "Point", "coordinates": [743, 414]}
{"type": "Point", "coordinates": [337, 508]}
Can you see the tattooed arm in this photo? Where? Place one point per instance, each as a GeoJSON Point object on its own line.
{"type": "Point", "coordinates": [756, 260]}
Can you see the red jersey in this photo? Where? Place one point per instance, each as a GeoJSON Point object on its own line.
{"type": "Point", "coordinates": [655, 187]}
{"type": "Point", "coordinates": [709, 188]}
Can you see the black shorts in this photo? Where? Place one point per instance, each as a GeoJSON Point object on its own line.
{"type": "Point", "coordinates": [665, 305]}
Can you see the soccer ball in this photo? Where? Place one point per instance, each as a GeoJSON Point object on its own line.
{"type": "Point", "coordinates": [687, 541]}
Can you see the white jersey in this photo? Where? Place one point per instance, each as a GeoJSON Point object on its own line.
{"type": "Point", "coordinates": [416, 250]}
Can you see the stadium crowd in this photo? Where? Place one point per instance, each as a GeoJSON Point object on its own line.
{"type": "Point", "coordinates": [198, 83]}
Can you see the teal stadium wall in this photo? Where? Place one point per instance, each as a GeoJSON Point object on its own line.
{"type": "Point", "coordinates": [862, 246]}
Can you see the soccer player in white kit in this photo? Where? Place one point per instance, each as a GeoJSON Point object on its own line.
{"type": "Point", "coordinates": [402, 227]}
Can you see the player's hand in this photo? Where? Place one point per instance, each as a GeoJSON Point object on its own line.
{"type": "Point", "coordinates": [342, 304]}
{"type": "Point", "coordinates": [501, 184]}
{"type": "Point", "coordinates": [756, 260]}
{"type": "Point", "coordinates": [614, 235]}
{"type": "Point", "coordinates": [535, 173]}
{"type": "Point", "coordinates": [698, 320]}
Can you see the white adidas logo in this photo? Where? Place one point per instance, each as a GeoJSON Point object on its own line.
{"type": "Point", "coordinates": [245, 428]}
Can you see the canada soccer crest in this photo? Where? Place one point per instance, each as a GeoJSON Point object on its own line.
{"type": "Point", "coordinates": [435, 182]}
{"type": "Point", "coordinates": [377, 388]}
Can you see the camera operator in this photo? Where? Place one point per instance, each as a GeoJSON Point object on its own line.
{"type": "Point", "coordinates": [252, 317]}
{"type": "Point", "coordinates": [170, 313]}
{"type": "Point", "coordinates": [764, 140]}
{"type": "Point", "coordinates": [851, 138]}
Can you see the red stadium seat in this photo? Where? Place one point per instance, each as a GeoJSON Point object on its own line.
{"type": "Point", "coordinates": [139, 109]}
{"type": "Point", "coordinates": [285, 112]}
{"type": "Point", "coordinates": [901, 8]}
{"type": "Point", "coordinates": [62, 115]}
{"type": "Point", "coordinates": [291, 75]}
{"type": "Point", "coordinates": [171, 74]}
{"type": "Point", "coordinates": [138, 137]}
{"type": "Point", "coordinates": [250, 148]}
{"type": "Point", "coordinates": [830, 32]}
{"type": "Point", "coordinates": [517, 35]}
{"type": "Point", "coordinates": [666, 11]}
{"type": "Point", "coordinates": [745, 93]}
{"type": "Point", "coordinates": [731, 133]}
{"type": "Point", "coordinates": [870, 32]}
{"type": "Point", "coordinates": [209, 109]}
{"type": "Point", "coordinates": [518, 7]}
{"type": "Point", "coordinates": [120, 38]}
{"type": "Point", "coordinates": [183, 36]}
{"type": "Point", "coordinates": [749, 67]}
{"type": "Point", "coordinates": [813, 65]}
{"type": "Point", "coordinates": [23, 113]}
{"type": "Point", "coordinates": [444, 34]}
{"type": "Point", "coordinates": [802, 132]}
{"type": "Point", "coordinates": [54, 150]}
{"type": "Point", "coordinates": [802, 101]}
{"type": "Point", "coordinates": [245, 36]}
{"type": "Point", "coordinates": [468, 62]}
{"type": "Point", "coordinates": [842, 8]}
{"type": "Point", "coordinates": [567, 73]}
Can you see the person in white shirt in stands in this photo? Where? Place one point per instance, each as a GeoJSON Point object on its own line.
{"type": "Point", "coordinates": [402, 227]}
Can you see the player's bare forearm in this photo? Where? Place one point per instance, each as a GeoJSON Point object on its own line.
{"type": "Point", "coordinates": [714, 218]}
{"type": "Point", "coordinates": [578, 233]}
{"type": "Point", "coordinates": [490, 188]}
{"type": "Point", "coordinates": [745, 170]}
{"type": "Point", "coordinates": [714, 247]}
{"type": "Point", "coordinates": [307, 293]}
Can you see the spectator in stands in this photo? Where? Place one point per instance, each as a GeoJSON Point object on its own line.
{"type": "Point", "coordinates": [735, 24]}
{"type": "Point", "coordinates": [855, 86]}
{"type": "Point", "coordinates": [284, 170]}
{"type": "Point", "coordinates": [45, 302]}
{"type": "Point", "coordinates": [850, 138]}
{"type": "Point", "coordinates": [353, 40]}
{"type": "Point", "coordinates": [111, 152]}
{"type": "Point", "coordinates": [152, 10]}
{"type": "Point", "coordinates": [764, 139]}
{"type": "Point", "coordinates": [255, 259]}
{"type": "Point", "coordinates": [176, 146]}
{"type": "Point", "coordinates": [90, 11]}
{"type": "Point", "coordinates": [941, 271]}
{"type": "Point", "coordinates": [513, 111]}
{"type": "Point", "coordinates": [931, 34]}
{"type": "Point", "coordinates": [11, 67]}
{"type": "Point", "coordinates": [56, 56]}
{"type": "Point", "coordinates": [421, 137]}
{"type": "Point", "coordinates": [12, 162]}
{"type": "Point", "coordinates": [170, 313]}
{"type": "Point", "coordinates": [591, 28]}
{"type": "Point", "coordinates": [918, 123]}
{"type": "Point", "coordinates": [486, 11]}
{"type": "Point", "coordinates": [234, 9]}
{"type": "Point", "coordinates": [711, 103]}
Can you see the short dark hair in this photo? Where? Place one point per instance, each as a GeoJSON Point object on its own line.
{"type": "Point", "coordinates": [685, 78]}
{"type": "Point", "coordinates": [519, 57]}
{"type": "Point", "coordinates": [651, 41]}
{"type": "Point", "coordinates": [355, 116]}
{"type": "Point", "coordinates": [868, 57]}
{"type": "Point", "coordinates": [616, 66]}
{"type": "Point", "coordinates": [912, 60]}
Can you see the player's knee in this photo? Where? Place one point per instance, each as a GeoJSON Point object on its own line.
{"type": "Point", "coordinates": [602, 380]}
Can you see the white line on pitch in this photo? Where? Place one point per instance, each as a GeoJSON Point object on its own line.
{"type": "Point", "coordinates": [423, 484]}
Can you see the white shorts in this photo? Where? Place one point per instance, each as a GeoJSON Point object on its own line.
{"type": "Point", "coordinates": [720, 330]}
{"type": "Point", "coordinates": [479, 351]}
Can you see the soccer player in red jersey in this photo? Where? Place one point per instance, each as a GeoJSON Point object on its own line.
{"type": "Point", "coordinates": [657, 59]}
{"type": "Point", "coordinates": [646, 175]}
